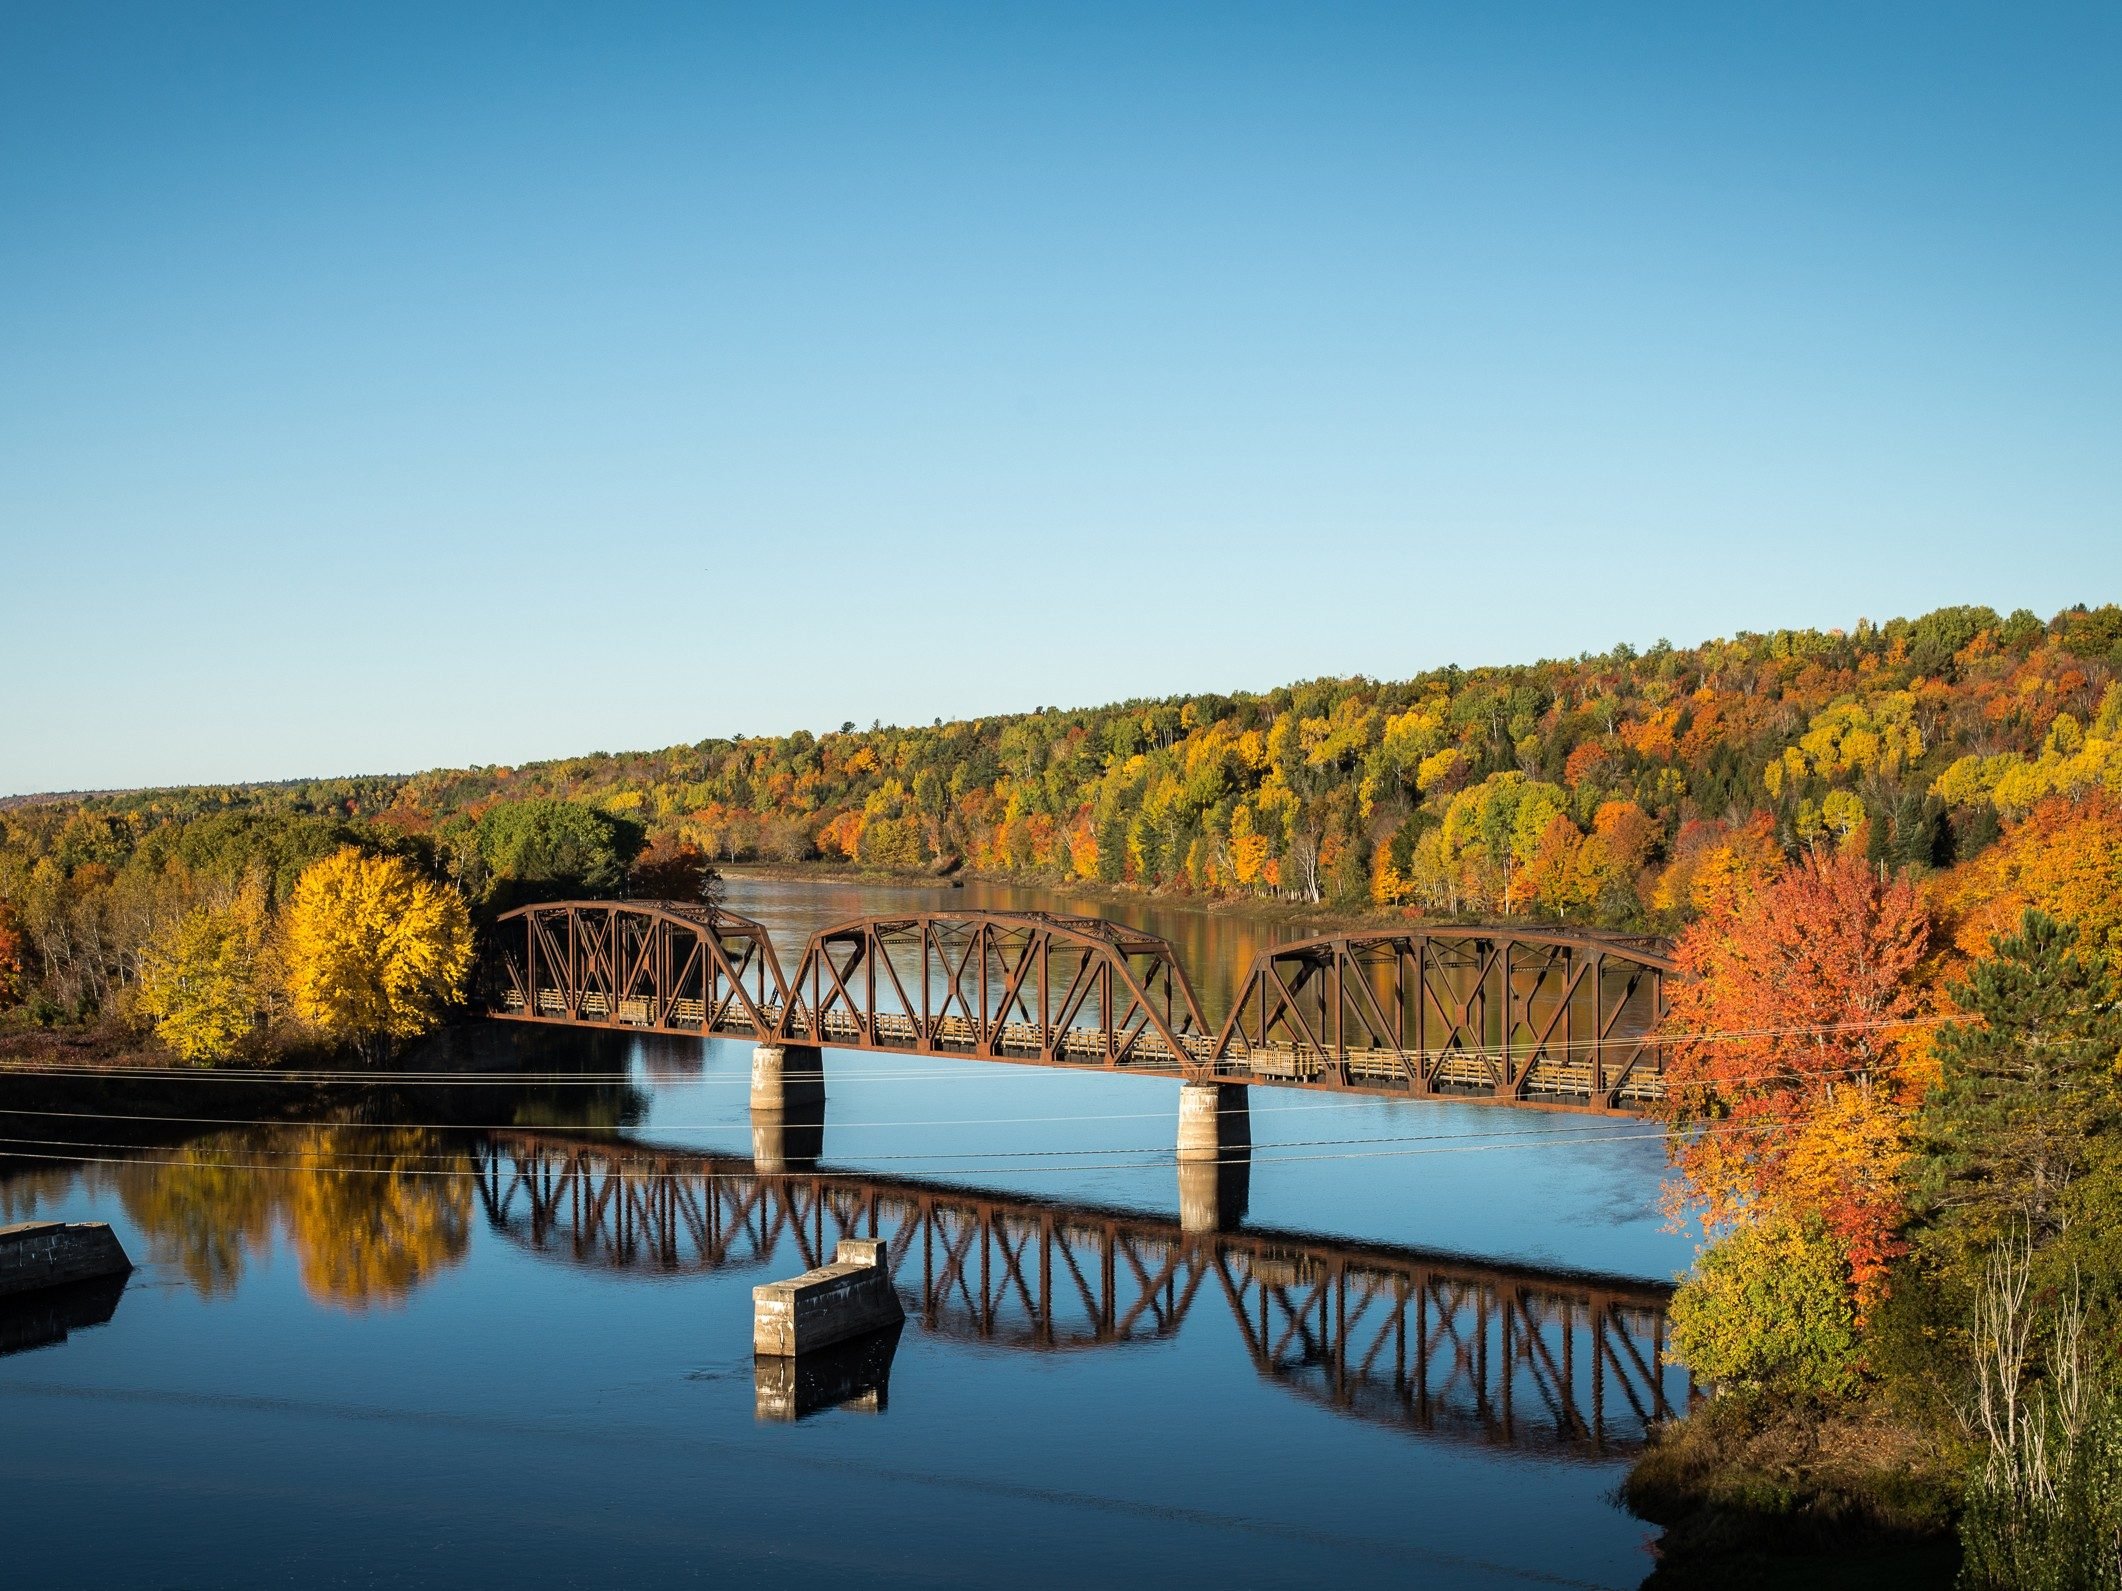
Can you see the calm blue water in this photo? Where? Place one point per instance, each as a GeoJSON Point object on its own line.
{"type": "Point", "coordinates": [410, 1356]}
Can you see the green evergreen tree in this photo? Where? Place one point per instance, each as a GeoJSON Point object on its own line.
{"type": "Point", "coordinates": [2021, 1132]}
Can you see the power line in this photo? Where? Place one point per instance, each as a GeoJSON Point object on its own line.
{"type": "Point", "coordinates": [357, 1074]}
{"type": "Point", "coordinates": [1158, 1160]}
{"type": "Point", "coordinates": [1358, 1103]}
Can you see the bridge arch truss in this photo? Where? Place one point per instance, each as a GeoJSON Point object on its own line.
{"type": "Point", "coordinates": [1557, 1017]}
{"type": "Point", "coordinates": [1554, 1017]}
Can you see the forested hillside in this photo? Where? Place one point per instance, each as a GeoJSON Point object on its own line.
{"type": "Point", "coordinates": [1587, 789]}
{"type": "Point", "coordinates": [1598, 789]}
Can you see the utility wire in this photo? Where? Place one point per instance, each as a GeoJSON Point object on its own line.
{"type": "Point", "coordinates": [1499, 1140]}
{"type": "Point", "coordinates": [1159, 1160]}
{"type": "Point", "coordinates": [837, 1125]}
{"type": "Point", "coordinates": [322, 1074]}
{"type": "Point", "coordinates": [628, 1080]}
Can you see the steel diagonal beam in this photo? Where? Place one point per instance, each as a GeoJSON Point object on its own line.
{"type": "Point", "coordinates": [1544, 1035]}
{"type": "Point", "coordinates": [955, 994]}
{"type": "Point", "coordinates": [881, 956]}
{"type": "Point", "coordinates": [1011, 1254]}
{"type": "Point", "coordinates": [516, 977]}
{"type": "Point", "coordinates": [1079, 989]}
{"type": "Point", "coordinates": [555, 957]}
{"type": "Point", "coordinates": [1462, 1025]}
{"type": "Point", "coordinates": [823, 1003]}
{"type": "Point", "coordinates": [1235, 1293]}
{"type": "Point", "coordinates": [1637, 973]}
{"type": "Point", "coordinates": [1611, 1313]}
{"type": "Point", "coordinates": [1300, 1325]}
{"type": "Point", "coordinates": [1086, 1290]}
{"type": "Point", "coordinates": [1148, 1297]}
{"type": "Point", "coordinates": [638, 962]}
{"type": "Point", "coordinates": [709, 944]}
{"type": "Point", "coordinates": [1288, 998]}
{"type": "Point", "coordinates": [1011, 997]}
{"type": "Point", "coordinates": [1381, 1030]}
{"type": "Point", "coordinates": [1563, 1403]}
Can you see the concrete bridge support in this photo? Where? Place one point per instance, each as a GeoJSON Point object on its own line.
{"type": "Point", "coordinates": [787, 1077]}
{"type": "Point", "coordinates": [1215, 1155]}
{"type": "Point", "coordinates": [1214, 1118]}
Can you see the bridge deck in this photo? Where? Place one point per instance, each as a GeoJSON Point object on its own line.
{"type": "Point", "coordinates": [1385, 1072]}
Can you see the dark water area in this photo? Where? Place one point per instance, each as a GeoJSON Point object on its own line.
{"type": "Point", "coordinates": [509, 1339]}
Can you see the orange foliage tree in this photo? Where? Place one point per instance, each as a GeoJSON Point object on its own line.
{"type": "Point", "coordinates": [1788, 1083]}
{"type": "Point", "coordinates": [13, 953]}
{"type": "Point", "coordinates": [2064, 859]}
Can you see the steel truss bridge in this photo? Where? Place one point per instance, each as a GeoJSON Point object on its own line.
{"type": "Point", "coordinates": [1553, 1017]}
{"type": "Point", "coordinates": [1568, 1367]}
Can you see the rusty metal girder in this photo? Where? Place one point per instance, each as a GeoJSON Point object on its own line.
{"type": "Point", "coordinates": [1031, 987]}
{"type": "Point", "coordinates": [1551, 1017]}
{"type": "Point", "coordinates": [1499, 1355]}
{"type": "Point", "coordinates": [1558, 1018]}
{"type": "Point", "coordinates": [646, 964]}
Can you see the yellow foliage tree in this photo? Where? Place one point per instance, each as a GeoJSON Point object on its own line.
{"type": "Point", "coordinates": [1248, 847]}
{"type": "Point", "coordinates": [374, 950]}
{"type": "Point", "coordinates": [2075, 760]}
{"type": "Point", "coordinates": [200, 979]}
{"type": "Point", "coordinates": [1724, 875]}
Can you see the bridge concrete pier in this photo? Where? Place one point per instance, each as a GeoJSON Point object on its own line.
{"type": "Point", "coordinates": [787, 1077]}
{"type": "Point", "coordinates": [1214, 1118]}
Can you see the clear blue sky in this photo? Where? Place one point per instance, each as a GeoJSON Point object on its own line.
{"type": "Point", "coordinates": [391, 386]}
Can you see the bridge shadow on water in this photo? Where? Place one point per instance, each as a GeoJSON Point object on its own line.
{"type": "Point", "coordinates": [1562, 1366]}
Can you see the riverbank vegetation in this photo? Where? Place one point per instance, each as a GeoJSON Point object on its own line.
{"type": "Point", "coordinates": [1904, 1129]}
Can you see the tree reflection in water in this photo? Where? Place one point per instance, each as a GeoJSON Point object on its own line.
{"type": "Point", "coordinates": [369, 1212]}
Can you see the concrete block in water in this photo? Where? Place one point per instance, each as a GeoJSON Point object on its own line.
{"type": "Point", "coordinates": [827, 1305]}
{"type": "Point", "coordinates": [37, 1254]}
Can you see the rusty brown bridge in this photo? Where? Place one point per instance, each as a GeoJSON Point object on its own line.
{"type": "Point", "coordinates": [1556, 1018]}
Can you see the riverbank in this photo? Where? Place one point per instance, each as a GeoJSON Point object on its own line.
{"type": "Point", "coordinates": [1318, 917]}
{"type": "Point", "coordinates": [67, 1088]}
{"type": "Point", "coordinates": [1754, 1494]}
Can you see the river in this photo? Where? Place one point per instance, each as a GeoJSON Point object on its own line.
{"type": "Point", "coordinates": [438, 1347]}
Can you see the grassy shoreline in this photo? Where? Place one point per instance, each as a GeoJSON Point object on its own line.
{"type": "Point", "coordinates": [1753, 1492]}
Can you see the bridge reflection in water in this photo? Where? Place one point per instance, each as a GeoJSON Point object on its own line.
{"type": "Point", "coordinates": [1564, 1366]}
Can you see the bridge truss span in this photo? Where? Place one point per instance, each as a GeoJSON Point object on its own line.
{"type": "Point", "coordinates": [644, 964]}
{"type": "Point", "coordinates": [1552, 1017]}
{"type": "Point", "coordinates": [1031, 987]}
{"type": "Point", "coordinates": [1532, 1016]}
